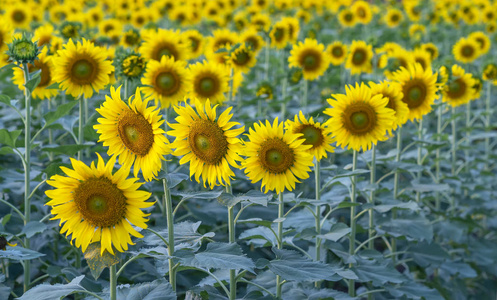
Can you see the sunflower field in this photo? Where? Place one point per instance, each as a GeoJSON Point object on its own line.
{"type": "Point", "coordinates": [248, 149]}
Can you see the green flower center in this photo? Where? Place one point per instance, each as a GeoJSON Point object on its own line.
{"type": "Point", "coordinates": [278, 34]}
{"type": "Point", "coordinates": [358, 57]}
{"type": "Point", "coordinates": [276, 156]}
{"type": "Point", "coordinates": [18, 16]}
{"type": "Point", "coordinates": [312, 135]}
{"type": "Point", "coordinates": [82, 70]}
{"type": "Point", "coordinates": [359, 119]}
{"type": "Point", "coordinates": [207, 84]}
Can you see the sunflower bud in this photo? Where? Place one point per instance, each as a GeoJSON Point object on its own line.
{"type": "Point", "coordinates": [133, 66]}
{"type": "Point", "coordinates": [23, 50]}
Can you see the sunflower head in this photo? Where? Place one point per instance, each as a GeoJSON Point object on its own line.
{"type": "Point", "coordinates": [70, 30]}
{"type": "Point", "coordinates": [466, 50]}
{"type": "Point", "coordinates": [23, 50]}
{"type": "Point", "coordinates": [209, 80]}
{"type": "Point", "coordinates": [4, 243]}
{"type": "Point", "coordinates": [458, 90]}
{"type": "Point", "coordinates": [265, 90]}
{"type": "Point", "coordinates": [207, 141]}
{"type": "Point", "coordinates": [131, 38]}
{"type": "Point", "coordinates": [359, 57]}
{"type": "Point", "coordinates": [279, 35]}
{"type": "Point", "coordinates": [393, 92]}
{"type": "Point", "coordinates": [314, 133]}
{"type": "Point", "coordinates": [242, 58]}
{"type": "Point", "coordinates": [310, 57]}
{"type": "Point", "coordinates": [359, 119]}
{"type": "Point", "coordinates": [490, 72]}
{"type": "Point", "coordinates": [276, 157]}
{"type": "Point", "coordinates": [96, 205]}
{"type": "Point", "coordinates": [130, 65]}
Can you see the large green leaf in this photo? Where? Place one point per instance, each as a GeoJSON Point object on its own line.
{"type": "Point", "coordinates": [414, 227]}
{"type": "Point", "coordinates": [425, 254]}
{"type": "Point", "coordinates": [32, 228]}
{"type": "Point", "coordinates": [20, 253]}
{"type": "Point", "coordinates": [377, 272]}
{"type": "Point", "coordinates": [336, 232]}
{"type": "Point", "coordinates": [156, 290]}
{"type": "Point", "coordinates": [9, 137]}
{"type": "Point", "coordinates": [413, 290]}
{"type": "Point", "coordinates": [52, 292]}
{"type": "Point", "coordinates": [290, 265]}
{"type": "Point", "coordinates": [260, 236]}
{"type": "Point", "coordinates": [186, 236]}
{"type": "Point", "coordinates": [67, 149]}
{"type": "Point", "coordinates": [61, 110]}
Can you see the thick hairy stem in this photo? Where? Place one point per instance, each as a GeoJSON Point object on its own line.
{"type": "Point", "coordinates": [352, 220]}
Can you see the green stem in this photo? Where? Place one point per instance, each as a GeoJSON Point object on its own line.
{"type": "Point", "coordinates": [371, 198]}
{"type": "Point", "coordinates": [454, 141]}
{"type": "Point", "coordinates": [317, 176]}
{"type": "Point", "coordinates": [266, 60]}
{"type": "Point", "coordinates": [437, 153]}
{"type": "Point", "coordinates": [230, 95]}
{"type": "Point", "coordinates": [487, 125]}
{"type": "Point", "coordinates": [352, 220]}
{"type": "Point", "coordinates": [468, 126]}
{"type": "Point", "coordinates": [396, 184]}
{"type": "Point", "coordinates": [80, 125]}
{"type": "Point", "coordinates": [305, 87]}
{"type": "Point", "coordinates": [170, 233]}
{"type": "Point", "coordinates": [85, 101]}
{"type": "Point", "coordinates": [283, 97]}
{"type": "Point", "coordinates": [125, 88]}
{"type": "Point", "coordinates": [281, 213]}
{"type": "Point", "coordinates": [50, 133]}
{"type": "Point", "coordinates": [113, 282]}
{"type": "Point", "coordinates": [231, 237]}
{"type": "Point", "coordinates": [27, 170]}
{"type": "Point", "coordinates": [420, 157]}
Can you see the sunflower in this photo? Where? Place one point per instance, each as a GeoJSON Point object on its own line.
{"type": "Point", "coordinates": [108, 26]}
{"type": "Point", "coordinates": [17, 15]}
{"type": "Point", "coordinates": [309, 56]}
{"type": "Point", "coordinates": [393, 92]}
{"type": "Point", "coordinates": [276, 157]}
{"type": "Point", "coordinates": [208, 142]}
{"type": "Point", "coordinates": [81, 68]}
{"type": "Point", "coordinates": [43, 35]}
{"type": "Point", "coordinates": [489, 14]}
{"type": "Point", "coordinates": [359, 58]}
{"type": "Point", "coordinates": [422, 57]}
{"type": "Point", "coordinates": [262, 22]}
{"type": "Point", "coordinates": [279, 35]}
{"type": "Point", "coordinates": [482, 40]}
{"type": "Point", "coordinates": [140, 17]}
{"type": "Point", "coordinates": [416, 31]}
{"type": "Point", "coordinates": [458, 90]}
{"type": "Point", "coordinates": [195, 41]}
{"type": "Point", "coordinates": [393, 17]}
{"type": "Point", "coordinates": [166, 81]}
{"type": "Point", "coordinates": [490, 73]}
{"type": "Point", "coordinates": [252, 39]}
{"type": "Point", "coordinates": [130, 39]}
{"type": "Point", "coordinates": [362, 11]}
{"type": "Point", "coordinates": [94, 16]}
{"type": "Point", "coordinates": [315, 134]}
{"type": "Point", "coordinates": [209, 81]}
{"type": "Point", "coordinates": [242, 59]}
{"type": "Point", "coordinates": [347, 18]}
{"type": "Point", "coordinates": [5, 37]}
{"type": "Point", "coordinates": [477, 87]}
{"type": "Point", "coordinates": [98, 206]}
{"type": "Point", "coordinates": [396, 59]}
{"type": "Point", "coordinates": [222, 38]}
{"type": "Point", "coordinates": [45, 64]}
{"type": "Point", "coordinates": [431, 48]}
{"type": "Point", "coordinates": [164, 43]}
{"type": "Point", "coordinates": [419, 87]}
{"type": "Point", "coordinates": [412, 9]}
{"type": "Point", "coordinates": [358, 118]}
{"type": "Point", "coordinates": [491, 27]}
{"type": "Point", "coordinates": [337, 52]}
{"type": "Point", "coordinates": [466, 50]}
{"type": "Point", "coordinates": [293, 27]}
{"type": "Point", "coordinates": [133, 133]}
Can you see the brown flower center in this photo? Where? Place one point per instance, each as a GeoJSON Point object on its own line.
{"type": "Point", "coordinates": [84, 71]}
{"type": "Point", "coordinates": [276, 156]}
{"type": "Point", "coordinates": [207, 141]}
{"type": "Point", "coordinates": [359, 118]}
{"type": "Point", "coordinates": [414, 93]}
{"type": "Point", "coordinates": [136, 132]}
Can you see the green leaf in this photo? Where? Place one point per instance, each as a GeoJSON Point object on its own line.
{"type": "Point", "coordinates": [414, 227]}
{"type": "Point", "coordinates": [156, 290]}
{"type": "Point", "coordinates": [422, 188]}
{"type": "Point", "coordinates": [8, 67]}
{"type": "Point", "coordinates": [200, 195]}
{"type": "Point", "coordinates": [259, 233]}
{"type": "Point", "coordinates": [413, 290]}
{"type": "Point", "coordinates": [69, 150]}
{"type": "Point", "coordinates": [425, 254]}
{"type": "Point", "coordinates": [33, 82]}
{"type": "Point", "coordinates": [256, 197]}
{"type": "Point", "coordinates": [383, 208]}
{"type": "Point", "coordinates": [20, 253]}
{"type": "Point", "coordinates": [290, 265]}
{"type": "Point", "coordinates": [220, 256]}
{"type": "Point", "coordinates": [346, 204]}
{"type": "Point", "coordinates": [376, 272]}
{"type": "Point", "coordinates": [57, 291]}
{"type": "Point", "coordinates": [32, 228]}
{"type": "Point", "coordinates": [5, 219]}
{"type": "Point", "coordinates": [461, 269]}
{"type": "Point", "coordinates": [53, 86]}
{"type": "Point", "coordinates": [9, 137]}
{"type": "Point", "coordinates": [61, 110]}
{"type": "Point", "coordinates": [96, 262]}
{"type": "Point", "coordinates": [6, 150]}
{"type": "Point", "coordinates": [337, 231]}
{"type": "Point", "coordinates": [186, 236]}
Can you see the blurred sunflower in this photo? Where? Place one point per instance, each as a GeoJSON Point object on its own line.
{"type": "Point", "coordinates": [309, 56]}
{"type": "Point", "coordinates": [466, 50]}
{"type": "Point", "coordinates": [17, 15]}
{"type": "Point", "coordinates": [359, 119]}
{"type": "Point", "coordinates": [430, 48]}
{"type": "Point", "coordinates": [166, 81]}
{"type": "Point", "coordinates": [5, 36]}
{"type": "Point", "coordinates": [131, 39]}
{"type": "Point", "coordinates": [43, 35]}
{"type": "Point", "coordinates": [293, 28]}
{"type": "Point", "coordinates": [130, 65]}
{"type": "Point", "coordinates": [195, 41]}
{"type": "Point", "coordinates": [491, 27]}
{"type": "Point", "coordinates": [314, 133]}
{"type": "Point", "coordinates": [277, 158]}
{"type": "Point", "coordinates": [393, 92]}
{"type": "Point", "coordinates": [221, 38]}
{"type": "Point", "coordinates": [346, 18]}
{"type": "Point", "coordinates": [416, 31]}
{"type": "Point", "coordinates": [242, 59]}
{"type": "Point", "coordinates": [252, 39]}
{"type": "Point", "coordinates": [209, 81]}
{"type": "Point", "coordinates": [109, 26]}
{"type": "Point", "coordinates": [359, 58]}
{"type": "Point", "coordinates": [483, 41]}
{"type": "Point", "coordinates": [337, 53]}
{"type": "Point", "coordinates": [419, 88]}
{"type": "Point", "coordinates": [393, 17]}
{"type": "Point", "coordinates": [262, 22]}
{"type": "Point", "coordinates": [477, 87]}
{"type": "Point", "coordinates": [458, 90]}
{"type": "Point", "coordinates": [413, 9]}
{"type": "Point", "coordinates": [82, 68]}
{"type": "Point", "coordinates": [97, 206]}
{"type": "Point", "coordinates": [209, 143]}
{"type": "Point", "coordinates": [362, 11]}
{"type": "Point", "coordinates": [133, 133]}
{"type": "Point", "coordinates": [279, 35]}
{"type": "Point", "coordinates": [490, 73]}
{"type": "Point", "coordinates": [45, 64]}
{"type": "Point", "coordinates": [421, 57]}
{"type": "Point", "coordinates": [164, 43]}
